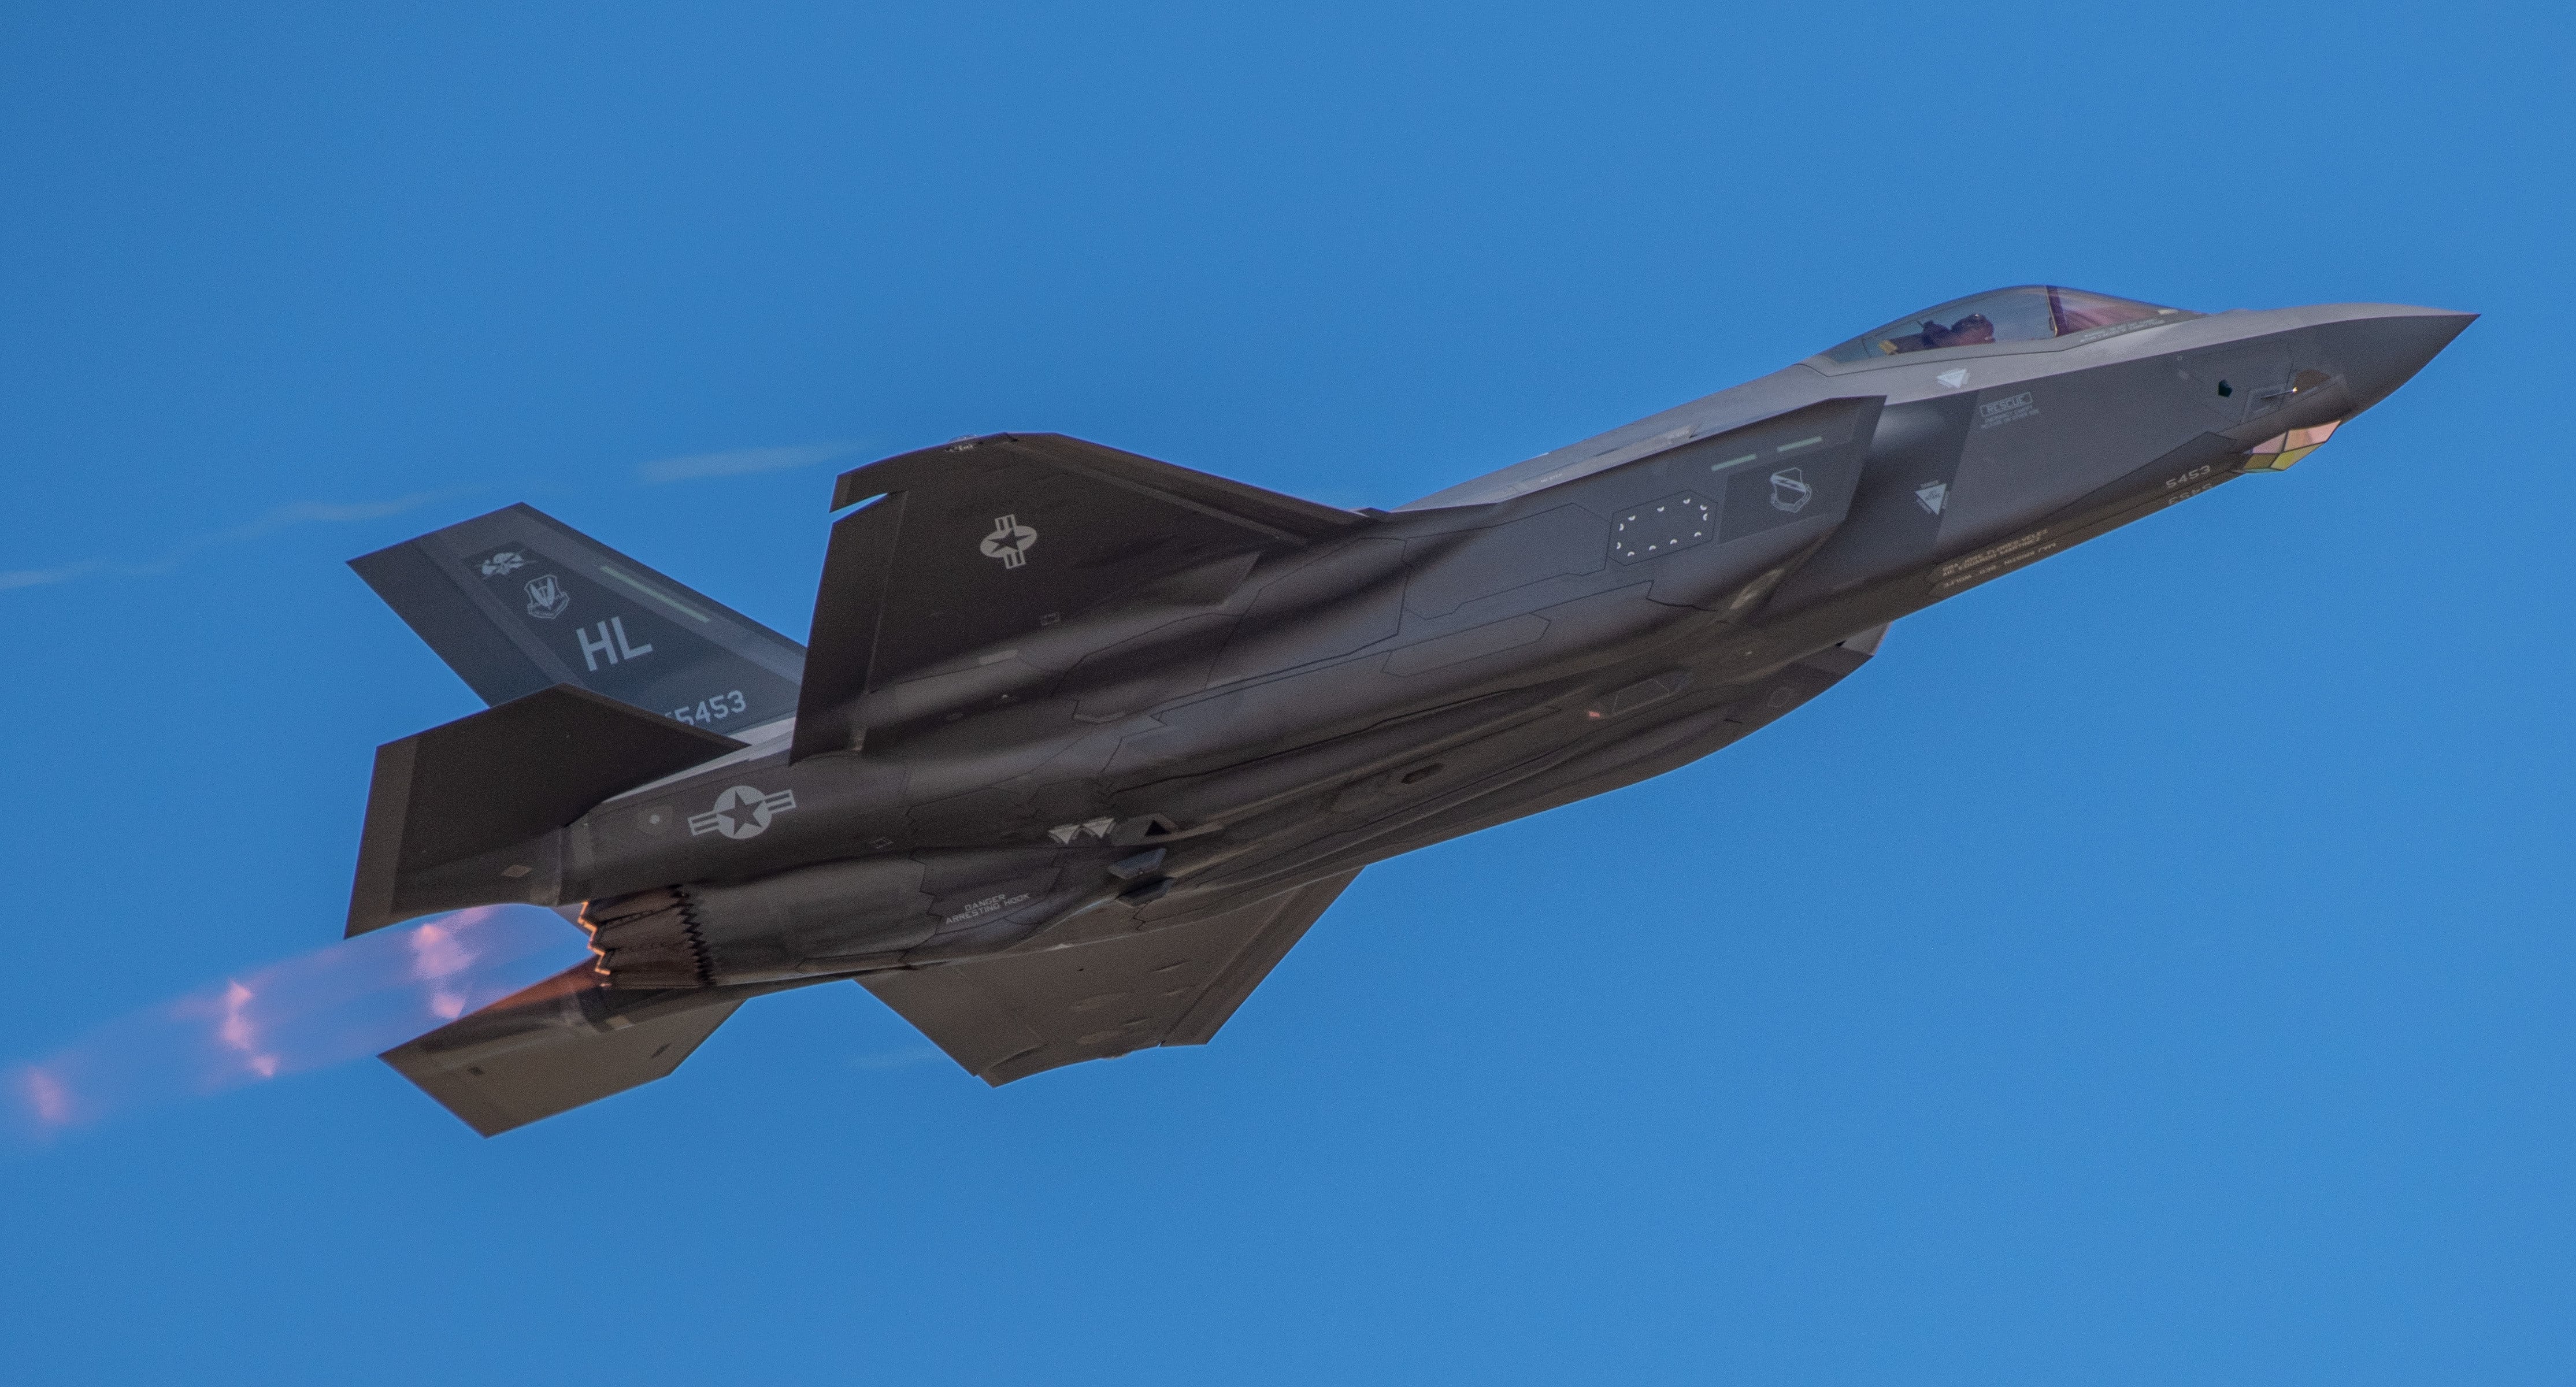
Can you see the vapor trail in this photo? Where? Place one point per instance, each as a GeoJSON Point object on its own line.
{"type": "Point", "coordinates": [283, 517]}
{"type": "Point", "coordinates": [350, 1000]}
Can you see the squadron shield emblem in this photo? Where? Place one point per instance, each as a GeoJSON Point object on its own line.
{"type": "Point", "coordinates": [1790, 491]}
{"type": "Point", "coordinates": [547, 599]}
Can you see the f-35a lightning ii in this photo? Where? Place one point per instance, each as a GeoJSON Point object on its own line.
{"type": "Point", "coordinates": [1082, 742]}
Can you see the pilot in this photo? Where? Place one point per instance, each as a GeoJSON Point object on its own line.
{"type": "Point", "coordinates": [1974, 330]}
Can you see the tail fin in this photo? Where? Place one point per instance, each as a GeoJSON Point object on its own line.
{"type": "Point", "coordinates": [466, 813]}
{"type": "Point", "coordinates": [517, 601]}
{"type": "Point", "coordinates": [567, 1041]}
{"type": "Point", "coordinates": [916, 579]}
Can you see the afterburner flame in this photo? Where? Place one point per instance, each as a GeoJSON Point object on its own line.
{"type": "Point", "coordinates": [237, 1032]}
{"type": "Point", "coordinates": [437, 954]}
{"type": "Point", "coordinates": [350, 1000]}
{"type": "Point", "coordinates": [47, 1100]}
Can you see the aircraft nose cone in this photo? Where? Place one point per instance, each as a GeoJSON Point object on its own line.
{"type": "Point", "coordinates": [2383, 349]}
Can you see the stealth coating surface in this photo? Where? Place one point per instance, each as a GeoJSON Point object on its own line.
{"type": "Point", "coordinates": [516, 601]}
{"type": "Point", "coordinates": [1106, 735]}
{"type": "Point", "coordinates": [1014, 1015]}
{"type": "Point", "coordinates": [981, 539]}
{"type": "Point", "coordinates": [496, 1077]}
{"type": "Point", "coordinates": [445, 799]}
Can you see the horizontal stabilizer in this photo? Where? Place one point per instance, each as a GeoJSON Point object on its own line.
{"type": "Point", "coordinates": [517, 601]}
{"type": "Point", "coordinates": [460, 815]}
{"type": "Point", "coordinates": [980, 540]}
{"type": "Point", "coordinates": [555, 1046]}
{"type": "Point", "coordinates": [1012, 1015]}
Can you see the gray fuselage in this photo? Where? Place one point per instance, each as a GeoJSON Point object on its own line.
{"type": "Point", "coordinates": [1562, 627]}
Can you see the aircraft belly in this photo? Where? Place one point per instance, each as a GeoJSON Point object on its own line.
{"type": "Point", "coordinates": [1347, 600]}
{"type": "Point", "coordinates": [1476, 642]}
{"type": "Point", "coordinates": [1686, 734]}
{"type": "Point", "coordinates": [1448, 570]}
{"type": "Point", "coordinates": [1569, 749]}
{"type": "Point", "coordinates": [1317, 705]}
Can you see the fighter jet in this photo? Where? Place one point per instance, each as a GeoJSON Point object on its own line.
{"type": "Point", "coordinates": [1080, 743]}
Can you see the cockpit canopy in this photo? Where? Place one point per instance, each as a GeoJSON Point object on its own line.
{"type": "Point", "coordinates": [2029, 313]}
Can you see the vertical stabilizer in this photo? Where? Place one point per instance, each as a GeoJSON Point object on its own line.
{"type": "Point", "coordinates": [465, 814]}
{"type": "Point", "coordinates": [517, 601]}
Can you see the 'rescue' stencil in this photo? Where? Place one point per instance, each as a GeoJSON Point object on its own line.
{"type": "Point", "coordinates": [1010, 541]}
{"type": "Point", "coordinates": [742, 812]}
{"type": "Point", "coordinates": [2010, 409]}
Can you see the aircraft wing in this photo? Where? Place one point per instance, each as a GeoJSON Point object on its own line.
{"type": "Point", "coordinates": [978, 541]}
{"type": "Point", "coordinates": [1012, 1015]}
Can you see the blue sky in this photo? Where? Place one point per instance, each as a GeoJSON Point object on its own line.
{"type": "Point", "coordinates": [2153, 967]}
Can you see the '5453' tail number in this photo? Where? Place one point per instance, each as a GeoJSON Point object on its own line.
{"type": "Point", "coordinates": [716, 709]}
